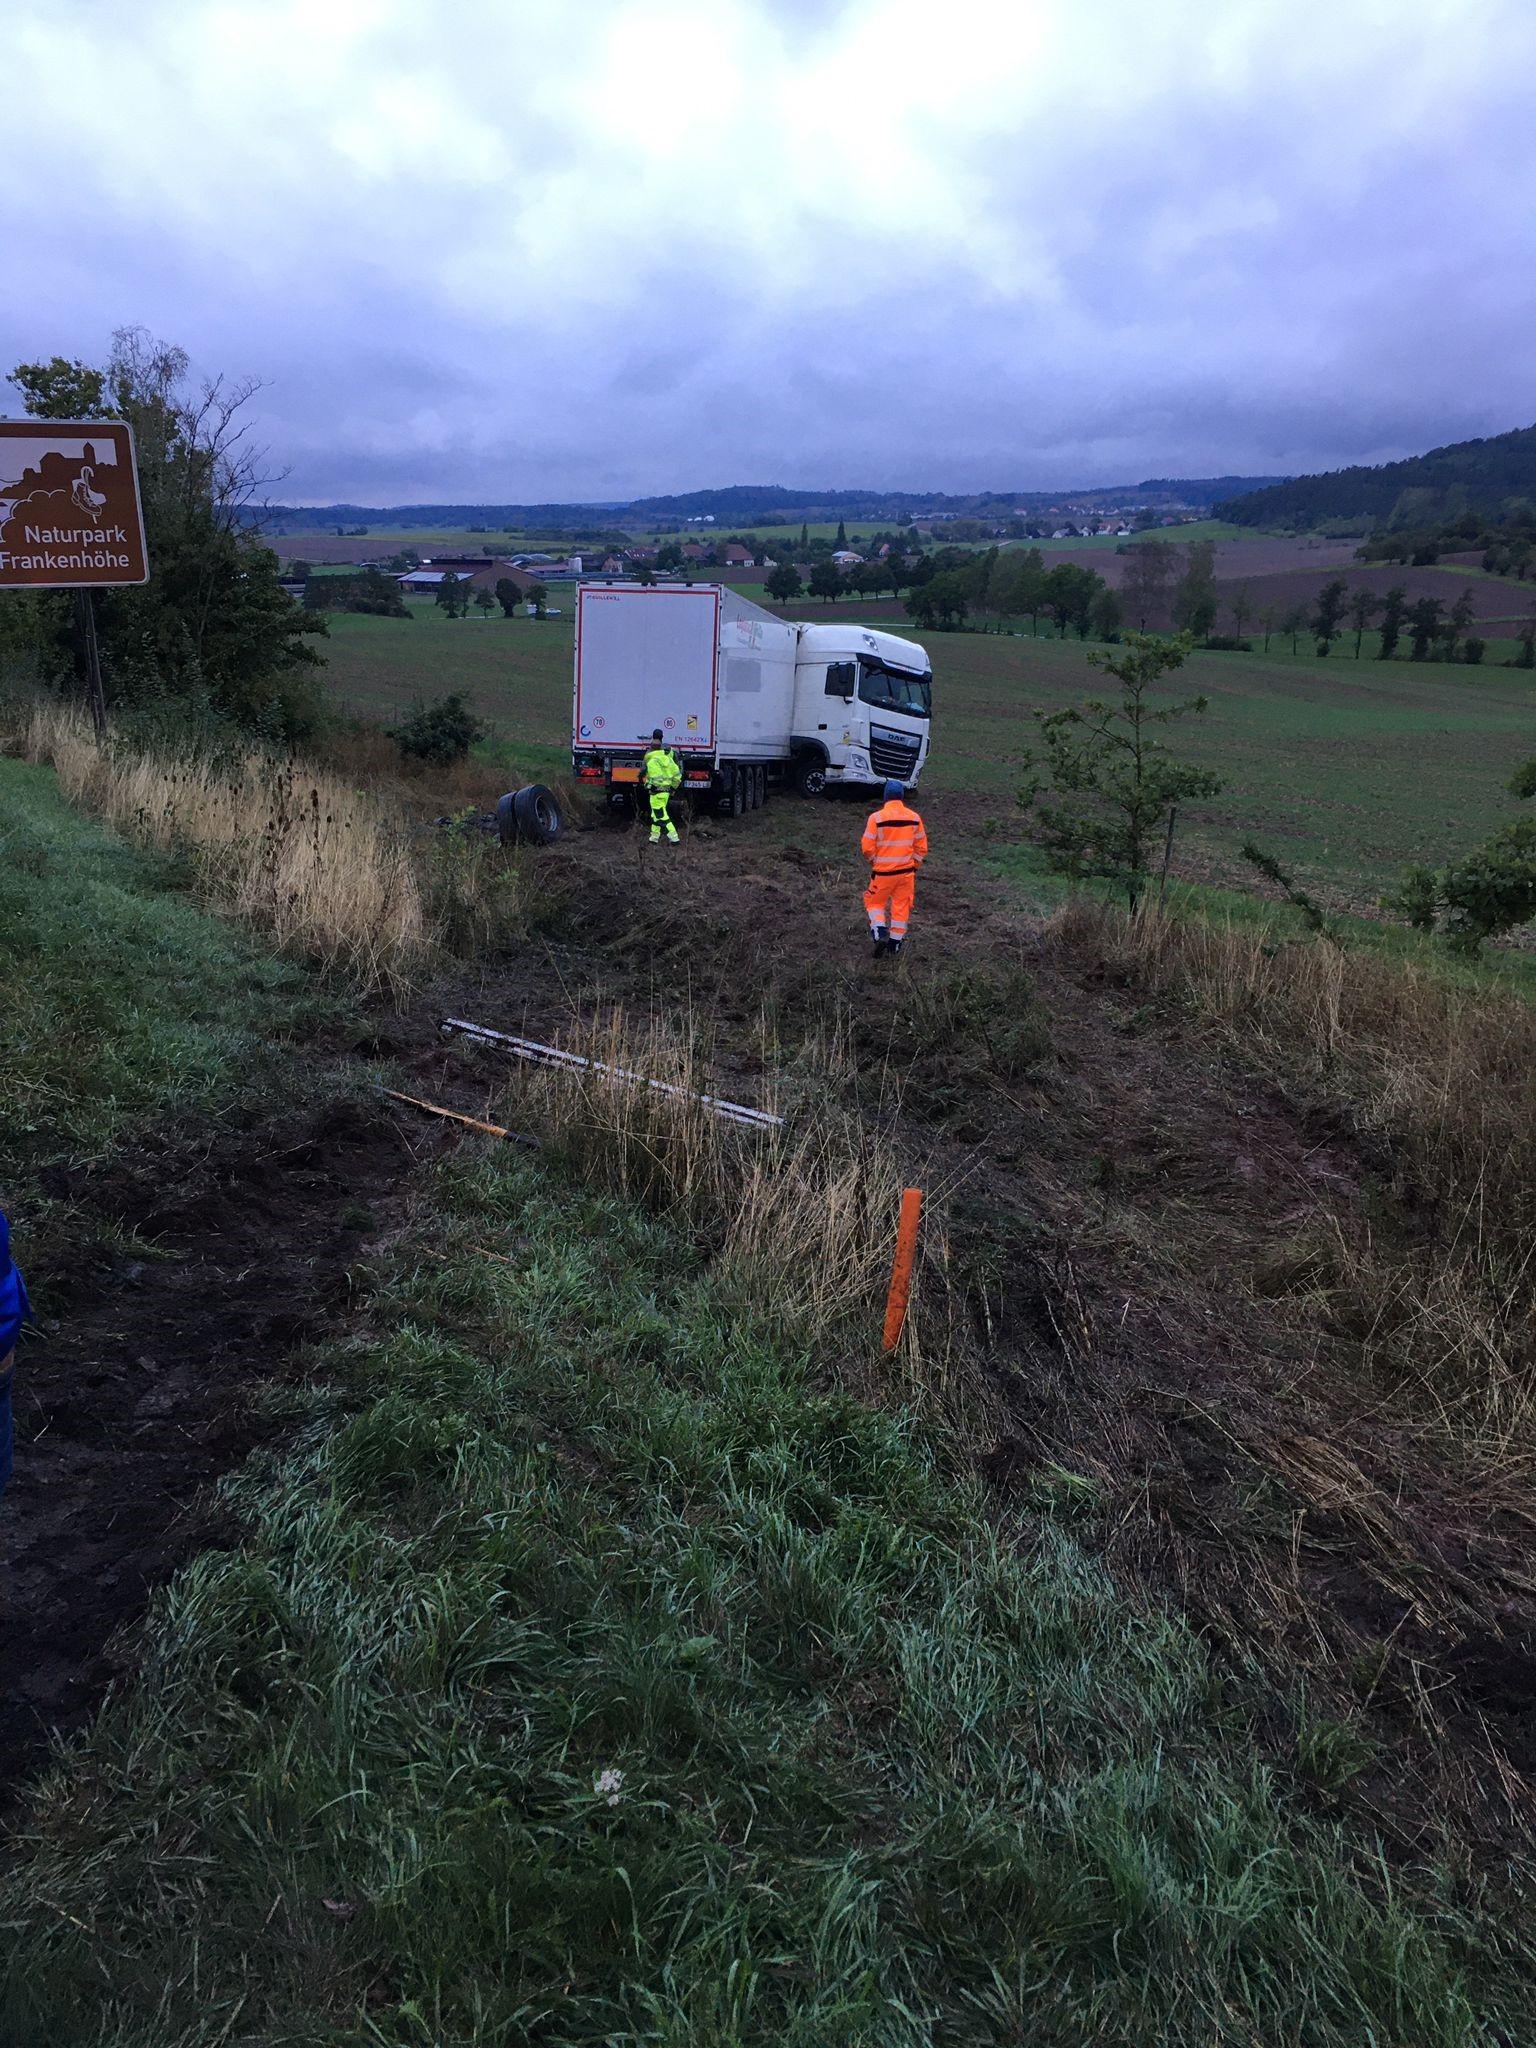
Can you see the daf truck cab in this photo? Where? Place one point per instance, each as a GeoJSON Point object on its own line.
{"type": "Point", "coordinates": [874, 695]}
{"type": "Point", "coordinates": [745, 699]}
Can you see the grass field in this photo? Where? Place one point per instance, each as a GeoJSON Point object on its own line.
{"type": "Point", "coordinates": [122, 1000]}
{"type": "Point", "coordinates": [1345, 769]}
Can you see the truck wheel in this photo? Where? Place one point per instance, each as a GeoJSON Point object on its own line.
{"type": "Point", "coordinates": [530, 815]}
{"type": "Point", "coordinates": [755, 776]}
{"type": "Point", "coordinates": [810, 775]}
{"type": "Point", "coordinates": [738, 792]}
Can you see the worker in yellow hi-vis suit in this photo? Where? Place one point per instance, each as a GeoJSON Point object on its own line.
{"type": "Point", "coordinates": [663, 774]}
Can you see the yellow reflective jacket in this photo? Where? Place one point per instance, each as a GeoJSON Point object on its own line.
{"type": "Point", "coordinates": [662, 770]}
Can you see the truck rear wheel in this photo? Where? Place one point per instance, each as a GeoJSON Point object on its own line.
{"type": "Point", "coordinates": [529, 815]}
{"type": "Point", "coordinates": [755, 787]}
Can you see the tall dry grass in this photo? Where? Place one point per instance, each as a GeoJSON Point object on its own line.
{"type": "Point", "coordinates": [799, 1221]}
{"type": "Point", "coordinates": [319, 867]}
{"type": "Point", "coordinates": [1441, 1078]}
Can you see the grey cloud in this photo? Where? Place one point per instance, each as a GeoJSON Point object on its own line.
{"type": "Point", "coordinates": [1264, 275]}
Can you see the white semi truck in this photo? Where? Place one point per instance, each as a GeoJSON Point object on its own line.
{"type": "Point", "coordinates": [744, 699]}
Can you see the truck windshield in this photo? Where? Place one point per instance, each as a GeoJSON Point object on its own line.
{"type": "Point", "coordinates": [895, 689]}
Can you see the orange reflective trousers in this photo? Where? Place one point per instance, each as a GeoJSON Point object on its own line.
{"type": "Point", "coordinates": [888, 899]}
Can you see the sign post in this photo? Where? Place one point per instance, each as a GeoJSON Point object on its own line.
{"type": "Point", "coordinates": [70, 519]}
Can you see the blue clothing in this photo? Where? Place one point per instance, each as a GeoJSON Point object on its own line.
{"type": "Point", "coordinates": [15, 1309]}
{"type": "Point", "coordinates": [894, 792]}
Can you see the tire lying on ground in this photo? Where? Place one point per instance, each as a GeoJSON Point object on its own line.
{"type": "Point", "coordinates": [531, 816]}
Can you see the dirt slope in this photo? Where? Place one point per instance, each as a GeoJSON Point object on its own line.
{"type": "Point", "coordinates": [142, 1387]}
{"type": "Point", "coordinates": [1138, 1260]}
{"type": "Point", "coordinates": [1144, 1237]}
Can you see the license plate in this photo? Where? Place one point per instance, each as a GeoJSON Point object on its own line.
{"type": "Point", "coordinates": [625, 774]}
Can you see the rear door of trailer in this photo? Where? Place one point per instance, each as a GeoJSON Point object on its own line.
{"type": "Point", "coordinates": [646, 657]}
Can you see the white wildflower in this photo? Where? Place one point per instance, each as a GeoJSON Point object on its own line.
{"type": "Point", "coordinates": [609, 1785]}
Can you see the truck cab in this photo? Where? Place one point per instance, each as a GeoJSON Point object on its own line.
{"type": "Point", "coordinates": [863, 706]}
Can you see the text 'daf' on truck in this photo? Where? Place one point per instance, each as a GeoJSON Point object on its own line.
{"type": "Point", "coordinates": [746, 700]}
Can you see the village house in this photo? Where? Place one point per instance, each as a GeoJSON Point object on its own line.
{"type": "Point", "coordinates": [480, 572]}
{"type": "Point", "coordinates": [427, 582]}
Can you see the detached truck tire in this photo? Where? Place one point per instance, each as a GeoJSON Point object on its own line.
{"type": "Point", "coordinates": [529, 817]}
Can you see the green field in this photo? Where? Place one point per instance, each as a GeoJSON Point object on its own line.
{"type": "Point", "coordinates": [1345, 769]}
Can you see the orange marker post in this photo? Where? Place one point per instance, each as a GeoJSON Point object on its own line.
{"type": "Point", "coordinates": [901, 1270]}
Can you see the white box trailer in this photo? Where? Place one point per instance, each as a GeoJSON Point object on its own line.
{"type": "Point", "coordinates": [744, 699]}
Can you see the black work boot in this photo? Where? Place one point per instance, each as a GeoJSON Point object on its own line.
{"type": "Point", "coordinates": [894, 946]}
{"type": "Point", "coordinates": [880, 936]}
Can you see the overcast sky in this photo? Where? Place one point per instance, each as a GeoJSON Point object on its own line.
{"type": "Point", "coordinates": [501, 251]}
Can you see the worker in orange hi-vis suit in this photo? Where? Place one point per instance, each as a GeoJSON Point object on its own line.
{"type": "Point", "coordinates": [895, 844]}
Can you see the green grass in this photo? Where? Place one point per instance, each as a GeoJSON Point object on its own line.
{"type": "Point", "coordinates": [593, 1673]}
{"type": "Point", "coordinates": [1346, 770]}
{"type": "Point", "coordinates": [121, 999]}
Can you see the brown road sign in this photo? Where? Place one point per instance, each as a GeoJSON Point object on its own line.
{"type": "Point", "coordinates": [69, 506]}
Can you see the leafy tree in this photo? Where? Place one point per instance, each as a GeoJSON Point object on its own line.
{"type": "Point", "coordinates": [1364, 604]}
{"type": "Point", "coordinates": [508, 596]}
{"type": "Point", "coordinates": [1490, 892]}
{"type": "Point", "coordinates": [1123, 785]}
{"type": "Point", "coordinates": [669, 555]}
{"type": "Point", "coordinates": [827, 582]}
{"type": "Point", "coordinates": [1294, 623]}
{"type": "Point", "coordinates": [1240, 609]}
{"type": "Point", "coordinates": [1473, 649]}
{"type": "Point", "coordinates": [805, 537]}
{"type": "Point", "coordinates": [1457, 623]}
{"type": "Point", "coordinates": [1332, 600]}
{"type": "Point", "coordinates": [1067, 597]}
{"type": "Point", "coordinates": [896, 572]}
{"type": "Point", "coordinates": [941, 600]}
{"type": "Point", "coordinates": [1394, 610]}
{"type": "Point", "coordinates": [1194, 601]}
{"type": "Point", "coordinates": [842, 536]}
{"type": "Point", "coordinates": [783, 583]}
{"type": "Point", "coordinates": [369, 591]}
{"type": "Point", "coordinates": [299, 571]}
{"type": "Point", "coordinates": [537, 594]}
{"type": "Point", "coordinates": [484, 603]}
{"type": "Point", "coordinates": [1425, 625]}
{"type": "Point", "coordinates": [1268, 619]}
{"type": "Point", "coordinates": [212, 622]}
{"type": "Point", "coordinates": [452, 596]}
{"type": "Point", "coordinates": [870, 580]}
{"type": "Point", "coordinates": [441, 732]}
{"type": "Point", "coordinates": [1148, 577]}
{"type": "Point", "coordinates": [1525, 633]}
{"type": "Point", "coordinates": [1107, 615]}
{"type": "Point", "coordinates": [63, 389]}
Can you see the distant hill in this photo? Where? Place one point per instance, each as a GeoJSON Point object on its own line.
{"type": "Point", "coordinates": [1206, 490]}
{"type": "Point", "coordinates": [1466, 476]}
{"type": "Point", "coordinates": [740, 505]}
